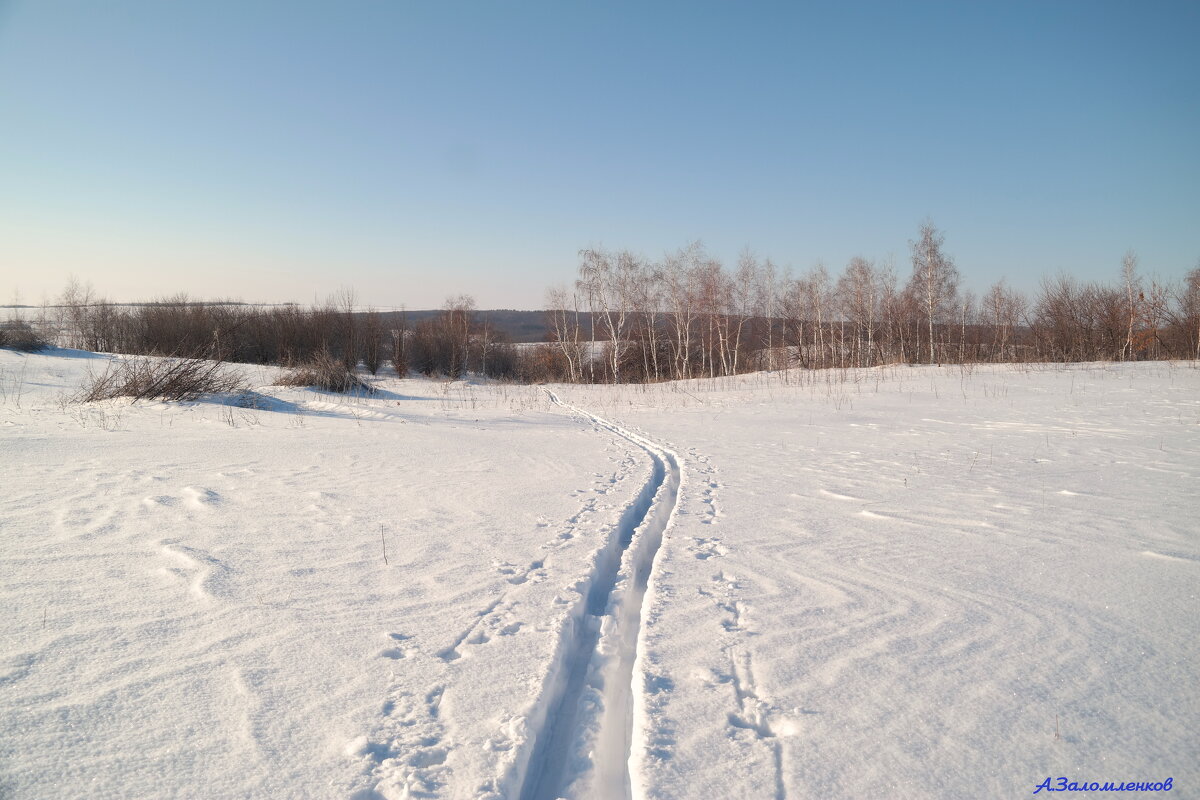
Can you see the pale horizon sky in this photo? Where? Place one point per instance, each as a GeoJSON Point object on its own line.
{"type": "Point", "coordinates": [276, 151]}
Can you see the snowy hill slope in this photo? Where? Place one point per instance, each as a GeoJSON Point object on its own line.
{"type": "Point", "coordinates": [890, 582]}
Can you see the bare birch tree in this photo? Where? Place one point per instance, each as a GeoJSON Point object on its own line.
{"type": "Point", "coordinates": [934, 279]}
{"type": "Point", "coordinates": [1002, 311]}
{"type": "Point", "coordinates": [1189, 310]}
{"type": "Point", "coordinates": [564, 316]}
{"type": "Point", "coordinates": [858, 295]}
{"type": "Point", "coordinates": [647, 301]}
{"type": "Point", "coordinates": [1133, 293]}
{"type": "Point", "coordinates": [679, 270]}
{"type": "Point", "coordinates": [400, 346]}
{"type": "Point", "coordinates": [608, 283]}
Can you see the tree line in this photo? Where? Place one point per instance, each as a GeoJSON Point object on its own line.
{"type": "Point", "coordinates": [686, 315]}
{"type": "Point", "coordinates": [451, 343]}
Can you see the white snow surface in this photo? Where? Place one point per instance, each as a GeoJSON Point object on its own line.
{"type": "Point", "coordinates": [897, 582]}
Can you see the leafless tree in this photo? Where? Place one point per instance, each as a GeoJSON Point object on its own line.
{"type": "Point", "coordinates": [1003, 309]}
{"type": "Point", "coordinates": [742, 295]}
{"type": "Point", "coordinates": [647, 302]}
{"type": "Point", "coordinates": [768, 299]}
{"type": "Point", "coordinates": [400, 359]}
{"type": "Point", "coordinates": [566, 329]}
{"type": "Point", "coordinates": [1188, 302]}
{"type": "Point", "coordinates": [1133, 293]}
{"type": "Point", "coordinates": [709, 286]}
{"type": "Point", "coordinates": [858, 296]}
{"type": "Point", "coordinates": [891, 340]}
{"type": "Point", "coordinates": [1154, 320]}
{"type": "Point", "coordinates": [679, 277]}
{"type": "Point", "coordinates": [608, 282]}
{"type": "Point", "coordinates": [372, 336]}
{"type": "Point", "coordinates": [342, 303]}
{"type": "Point", "coordinates": [934, 280]}
{"type": "Point", "coordinates": [455, 330]}
{"type": "Point", "coordinates": [818, 291]}
{"type": "Point", "coordinates": [75, 303]}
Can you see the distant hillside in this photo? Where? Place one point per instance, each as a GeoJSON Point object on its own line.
{"type": "Point", "coordinates": [519, 326]}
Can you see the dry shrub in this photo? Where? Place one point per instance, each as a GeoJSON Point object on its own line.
{"type": "Point", "coordinates": [161, 379]}
{"type": "Point", "coordinates": [323, 371]}
{"type": "Point", "coordinates": [18, 334]}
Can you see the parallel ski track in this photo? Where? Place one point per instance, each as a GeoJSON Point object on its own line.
{"type": "Point", "coordinates": [639, 534]}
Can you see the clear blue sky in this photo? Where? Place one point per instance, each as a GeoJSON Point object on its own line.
{"type": "Point", "coordinates": [279, 150]}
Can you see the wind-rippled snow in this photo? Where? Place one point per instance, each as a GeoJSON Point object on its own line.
{"type": "Point", "coordinates": [902, 582]}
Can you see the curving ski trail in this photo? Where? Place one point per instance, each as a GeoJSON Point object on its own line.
{"type": "Point", "coordinates": [583, 746]}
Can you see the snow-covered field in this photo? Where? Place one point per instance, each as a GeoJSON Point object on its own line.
{"type": "Point", "coordinates": [901, 582]}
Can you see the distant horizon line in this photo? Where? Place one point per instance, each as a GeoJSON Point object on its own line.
{"type": "Point", "coordinates": [357, 309]}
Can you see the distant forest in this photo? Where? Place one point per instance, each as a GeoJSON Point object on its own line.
{"type": "Point", "coordinates": [626, 319]}
{"type": "Point", "coordinates": [521, 327]}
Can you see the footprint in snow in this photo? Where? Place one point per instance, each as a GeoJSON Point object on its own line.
{"type": "Point", "coordinates": [704, 549]}
{"type": "Point", "coordinates": [407, 755]}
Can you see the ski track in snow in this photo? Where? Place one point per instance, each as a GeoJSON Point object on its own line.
{"type": "Point", "coordinates": [409, 753]}
{"type": "Point", "coordinates": [409, 750]}
{"type": "Point", "coordinates": [583, 739]}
